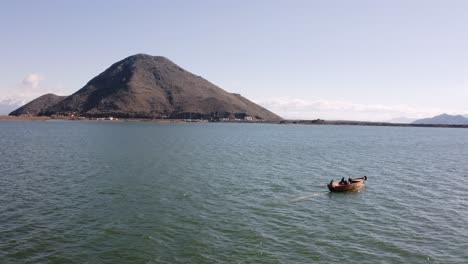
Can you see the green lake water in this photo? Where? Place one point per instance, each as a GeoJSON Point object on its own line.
{"type": "Point", "coordinates": [141, 192]}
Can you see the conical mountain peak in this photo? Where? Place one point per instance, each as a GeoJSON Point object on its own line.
{"type": "Point", "coordinates": [145, 59]}
{"type": "Point", "coordinates": [145, 86]}
{"type": "Point", "coordinates": [141, 62]}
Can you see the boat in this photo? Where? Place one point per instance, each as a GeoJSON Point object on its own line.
{"type": "Point", "coordinates": [354, 184]}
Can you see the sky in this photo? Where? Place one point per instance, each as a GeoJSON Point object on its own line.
{"type": "Point", "coordinates": [330, 59]}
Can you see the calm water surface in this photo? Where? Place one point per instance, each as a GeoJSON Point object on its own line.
{"type": "Point", "coordinates": [103, 192]}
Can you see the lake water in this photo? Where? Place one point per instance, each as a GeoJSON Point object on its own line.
{"type": "Point", "coordinates": [141, 192]}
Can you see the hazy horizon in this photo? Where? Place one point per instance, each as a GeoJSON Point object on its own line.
{"type": "Point", "coordinates": [360, 60]}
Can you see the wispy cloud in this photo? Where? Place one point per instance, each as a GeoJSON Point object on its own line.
{"type": "Point", "coordinates": [27, 89]}
{"type": "Point", "coordinates": [8, 105]}
{"type": "Point", "coordinates": [295, 108]}
{"type": "Point", "coordinates": [32, 80]}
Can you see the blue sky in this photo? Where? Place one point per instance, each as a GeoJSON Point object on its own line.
{"type": "Point", "coordinates": [361, 60]}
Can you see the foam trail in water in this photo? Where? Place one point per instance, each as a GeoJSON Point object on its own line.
{"type": "Point", "coordinates": [302, 198]}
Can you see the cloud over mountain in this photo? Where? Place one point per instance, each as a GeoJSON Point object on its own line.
{"type": "Point", "coordinates": [32, 80]}
{"type": "Point", "coordinates": [28, 88]}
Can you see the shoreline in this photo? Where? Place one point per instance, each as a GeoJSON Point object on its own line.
{"type": "Point", "coordinates": [24, 118]}
{"type": "Point", "coordinates": [282, 122]}
{"type": "Point", "coordinates": [365, 123]}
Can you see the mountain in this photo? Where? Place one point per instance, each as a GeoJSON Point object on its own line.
{"type": "Point", "coordinates": [144, 86]}
{"type": "Point", "coordinates": [444, 119]}
{"type": "Point", "coordinates": [401, 120]}
{"type": "Point", "coordinates": [37, 105]}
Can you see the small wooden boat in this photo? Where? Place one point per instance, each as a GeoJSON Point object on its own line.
{"type": "Point", "coordinates": [354, 184]}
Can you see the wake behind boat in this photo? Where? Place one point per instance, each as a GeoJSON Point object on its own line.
{"type": "Point", "coordinates": [346, 185]}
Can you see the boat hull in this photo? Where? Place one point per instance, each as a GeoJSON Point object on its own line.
{"type": "Point", "coordinates": [356, 184]}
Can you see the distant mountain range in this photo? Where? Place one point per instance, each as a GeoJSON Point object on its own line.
{"type": "Point", "coordinates": [7, 106]}
{"type": "Point", "coordinates": [402, 120]}
{"type": "Point", "coordinates": [144, 86]}
{"type": "Point", "coordinates": [444, 119]}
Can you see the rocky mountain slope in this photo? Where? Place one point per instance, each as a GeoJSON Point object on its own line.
{"type": "Point", "coordinates": [38, 105]}
{"type": "Point", "coordinates": [144, 86]}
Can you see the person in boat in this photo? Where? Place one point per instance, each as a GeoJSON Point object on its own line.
{"type": "Point", "coordinates": [331, 183]}
{"type": "Point", "coordinates": [350, 180]}
{"type": "Point", "coordinates": [344, 182]}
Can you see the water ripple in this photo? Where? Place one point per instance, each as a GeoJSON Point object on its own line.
{"type": "Point", "coordinates": [90, 192]}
